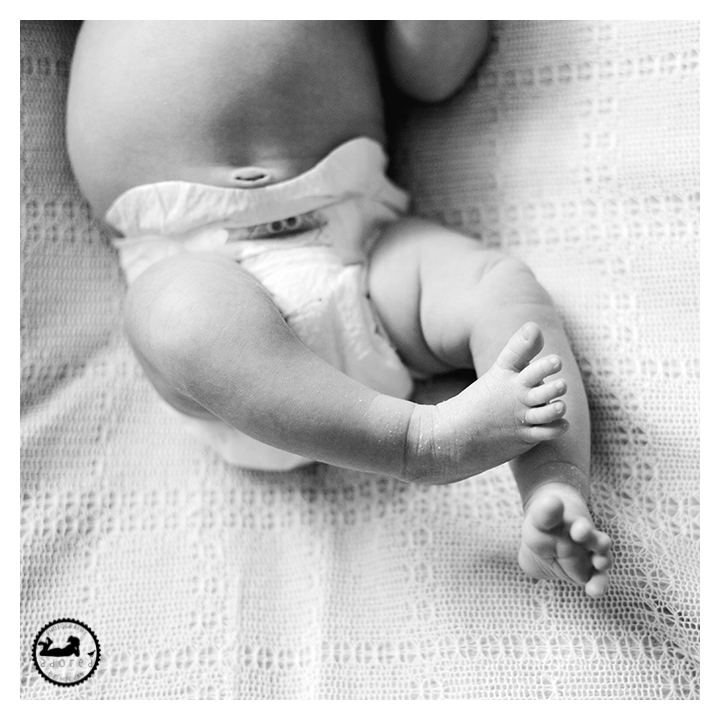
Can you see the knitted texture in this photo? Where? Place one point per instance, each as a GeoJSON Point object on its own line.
{"type": "Point", "coordinates": [576, 149]}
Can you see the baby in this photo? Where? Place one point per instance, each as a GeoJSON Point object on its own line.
{"type": "Point", "coordinates": [282, 302]}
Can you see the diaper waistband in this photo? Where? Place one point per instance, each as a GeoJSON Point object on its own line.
{"type": "Point", "coordinates": [355, 169]}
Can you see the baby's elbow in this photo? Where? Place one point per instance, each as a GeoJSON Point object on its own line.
{"type": "Point", "coordinates": [428, 81]}
{"type": "Point", "coordinates": [430, 89]}
{"type": "Point", "coordinates": [431, 60]}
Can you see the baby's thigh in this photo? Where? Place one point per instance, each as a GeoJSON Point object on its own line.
{"type": "Point", "coordinates": [423, 281]}
{"type": "Point", "coordinates": [436, 288]}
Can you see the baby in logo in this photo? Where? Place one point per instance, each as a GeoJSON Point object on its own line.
{"type": "Point", "coordinates": [72, 648]}
{"type": "Point", "coordinates": [71, 663]}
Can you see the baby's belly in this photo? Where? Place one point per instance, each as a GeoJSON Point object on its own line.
{"type": "Point", "coordinates": [204, 101]}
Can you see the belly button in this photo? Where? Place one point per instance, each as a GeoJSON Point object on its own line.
{"type": "Point", "coordinates": [251, 177]}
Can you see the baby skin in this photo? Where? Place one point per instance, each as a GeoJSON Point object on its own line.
{"type": "Point", "coordinates": [218, 102]}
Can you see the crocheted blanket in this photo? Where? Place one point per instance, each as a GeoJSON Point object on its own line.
{"type": "Point", "coordinates": [576, 149]}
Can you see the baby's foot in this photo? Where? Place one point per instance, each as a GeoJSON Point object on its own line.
{"type": "Point", "coordinates": [517, 382]}
{"type": "Point", "coordinates": [501, 415]}
{"type": "Point", "coordinates": [560, 540]}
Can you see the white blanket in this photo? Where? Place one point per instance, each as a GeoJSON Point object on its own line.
{"type": "Point", "coordinates": [576, 149]}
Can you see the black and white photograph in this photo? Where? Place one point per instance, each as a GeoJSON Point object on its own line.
{"type": "Point", "coordinates": [360, 359]}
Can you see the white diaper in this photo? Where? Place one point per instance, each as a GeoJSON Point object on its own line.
{"type": "Point", "coordinates": [306, 240]}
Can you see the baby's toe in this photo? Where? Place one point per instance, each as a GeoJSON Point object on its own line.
{"type": "Point", "coordinates": [542, 433]}
{"type": "Point", "coordinates": [546, 513]}
{"type": "Point", "coordinates": [544, 393]}
{"type": "Point", "coordinates": [522, 347]}
{"type": "Point", "coordinates": [539, 369]}
{"type": "Point", "coordinates": [597, 585]}
{"type": "Point", "coordinates": [583, 532]}
{"type": "Point", "coordinates": [601, 562]}
{"type": "Point", "coordinates": [545, 414]}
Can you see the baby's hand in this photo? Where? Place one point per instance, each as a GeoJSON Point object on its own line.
{"type": "Point", "coordinates": [501, 415]}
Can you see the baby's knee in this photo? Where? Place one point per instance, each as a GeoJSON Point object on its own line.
{"type": "Point", "coordinates": [181, 306]}
{"type": "Point", "coordinates": [160, 308]}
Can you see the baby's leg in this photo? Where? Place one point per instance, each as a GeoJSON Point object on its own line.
{"type": "Point", "coordinates": [463, 304]}
{"type": "Point", "coordinates": [215, 346]}
{"type": "Point", "coordinates": [559, 538]}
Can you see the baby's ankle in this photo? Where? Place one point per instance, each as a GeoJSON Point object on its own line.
{"type": "Point", "coordinates": [434, 451]}
{"type": "Point", "coordinates": [564, 478]}
{"type": "Point", "coordinates": [422, 462]}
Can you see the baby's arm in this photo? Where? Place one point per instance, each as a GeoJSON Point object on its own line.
{"type": "Point", "coordinates": [430, 59]}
